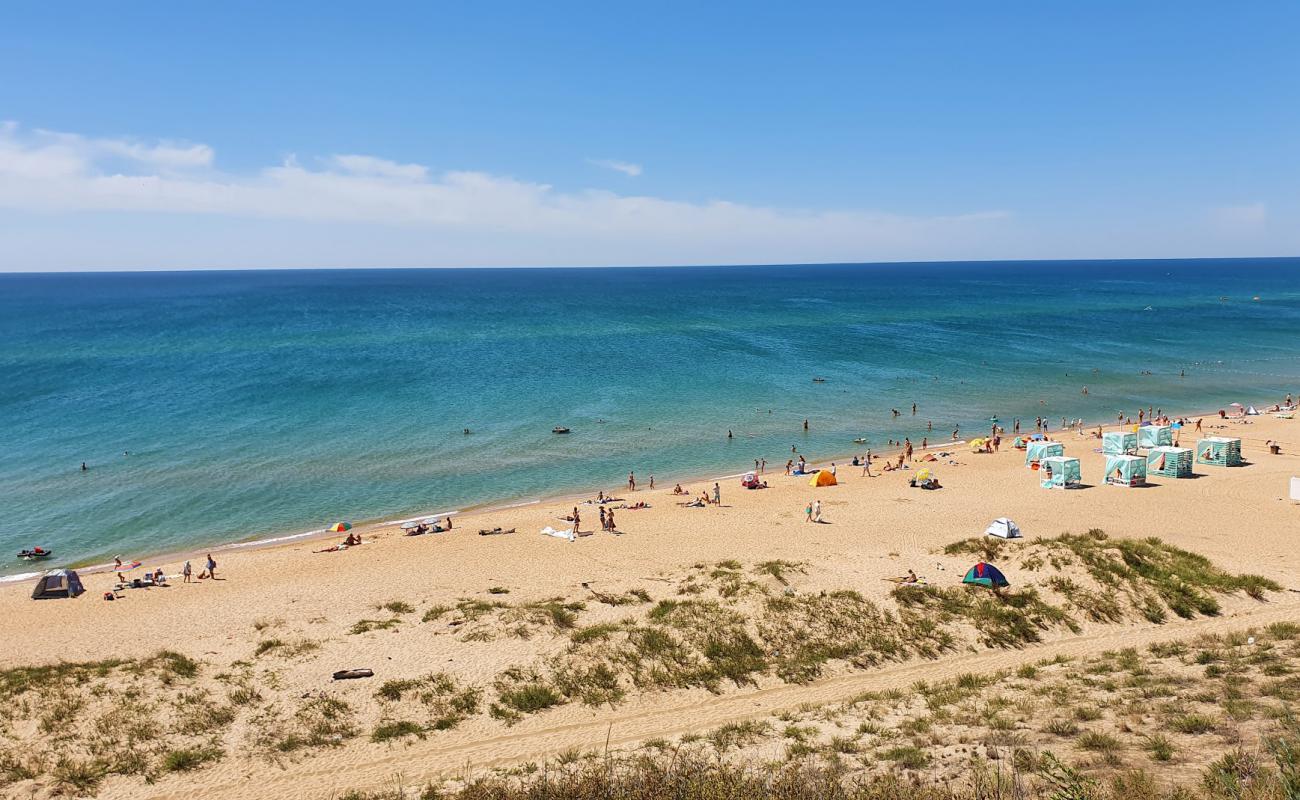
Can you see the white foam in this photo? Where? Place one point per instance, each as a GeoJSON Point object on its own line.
{"type": "Point", "coordinates": [22, 576]}
{"type": "Point", "coordinates": [272, 540]}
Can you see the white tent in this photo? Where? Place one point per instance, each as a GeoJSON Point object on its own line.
{"type": "Point", "coordinates": [1003, 528]}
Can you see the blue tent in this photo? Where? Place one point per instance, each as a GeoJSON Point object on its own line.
{"type": "Point", "coordinates": [983, 574]}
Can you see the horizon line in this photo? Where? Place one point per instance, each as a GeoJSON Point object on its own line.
{"type": "Point", "coordinates": [724, 265]}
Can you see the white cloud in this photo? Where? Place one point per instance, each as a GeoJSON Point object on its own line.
{"type": "Point", "coordinates": [454, 218]}
{"type": "Point", "coordinates": [627, 168]}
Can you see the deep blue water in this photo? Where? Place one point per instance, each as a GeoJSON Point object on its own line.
{"type": "Point", "coordinates": [255, 403]}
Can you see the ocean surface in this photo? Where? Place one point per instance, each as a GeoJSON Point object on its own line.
{"type": "Point", "coordinates": [215, 407]}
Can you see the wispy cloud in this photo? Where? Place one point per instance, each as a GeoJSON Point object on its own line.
{"type": "Point", "coordinates": [627, 168]}
{"type": "Point", "coordinates": [457, 217]}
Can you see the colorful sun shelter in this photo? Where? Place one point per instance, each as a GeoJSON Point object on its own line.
{"type": "Point", "coordinates": [1170, 462]}
{"type": "Point", "coordinates": [1219, 451]}
{"type": "Point", "coordinates": [1059, 472]}
{"type": "Point", "coordinates": [1119, 443]}
{"type": "Point", "coordinates": [1122, 470]}
{"type": "Point", "coordinates": [823, 478]}
{"type": "Point", "coordinates": [983, 574]}
{"type": "Point", "coordinates": [1037, 451]}
{"type": "Point", "coordinates": [1155, 436]}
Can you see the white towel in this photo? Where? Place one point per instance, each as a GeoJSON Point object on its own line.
{"type": "Point", "coordinates": [564, 534]}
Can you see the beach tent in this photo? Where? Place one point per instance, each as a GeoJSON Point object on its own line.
{"type": "Point", "coordinates": [1003, 528]}
{"type": "Point", "coordinates": [823, 478]}
{"type": "Point", "coordinates": [1155, 436]}
{"type": "Point", "coordinates": [1037, 451]}
{"type": "Point", "coordinates": [1122, 470]}
{"type": "Point", "coordinates": [1119, 442]}
{"type": "Point", "coordinates": [1219, 451]}
{"type": "Point", "coordinates": [983, 574]}
{"type": "Point", "coordinates": [1171, 462]}
{"type": "Point", "coordinates": [57, 583]}
{"type": "Point", "coordinates": [1059, 472]}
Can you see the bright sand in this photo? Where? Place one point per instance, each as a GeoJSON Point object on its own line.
{"type": "Point", "coordinates": [1240, 518]}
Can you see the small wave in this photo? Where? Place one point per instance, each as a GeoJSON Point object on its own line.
{"type": "Point", "coordinates": [22, 576]}
{"type": "Point", "coordinates": [273, 539]}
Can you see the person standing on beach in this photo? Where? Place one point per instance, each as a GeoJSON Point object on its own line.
{"type": "Point", "coordinates": [866, 465]}
{"type": "Point", "coordinates": [788, 464]}
{"type": "Point", "coordinates": [717, 494]}
{"type": "Point", "coordinates": [603, 525]}
{"type": "Point", "coordinates": [212, 567]}
{"type": "Point", "coordinates": [807, 512]}
{"type": "Point", "coordinates": [832, 469]}
{"type": "Point", "coordinates": [1016, 426]}
{"type": "Point", "coordinates": [907, 447]}
{"type": "Point", "coordinates": [925, 443]}
{"type": "Point", "coordinates": [631, 481]}
{"type": "Point", "coordinates": [817, 511]}
{"type": "Point", "coordinates": [1198, 424]}
{"type": "Point", "coordinates": [577, 521]}
{"type": "Point", "coordinates": [609, 522]}
{"type": "Point", "coordinates": [762, 468]}
{"type": "Point", "coordinates": [187, 570]}
{"type": "Point", "coordinates": [652, 483]}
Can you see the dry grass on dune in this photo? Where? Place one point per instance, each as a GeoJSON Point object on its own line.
{"type": "Point", "coordinates": [1210, 718]}
{"type": "Point", "coordinates": [717, 626]}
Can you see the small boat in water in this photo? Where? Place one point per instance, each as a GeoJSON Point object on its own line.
{"type": "Point", "coordinates": [35, 554]}
{"type": "Point", "coordinates": [559, 429]}
{"type": "Point", "coordinates": [819, 380]}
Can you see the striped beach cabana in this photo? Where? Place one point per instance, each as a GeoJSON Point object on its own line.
{"type": "Point", "coordinates": [1059, 472]}
{"type": "Point", "coordinates": [1170, 462]}
{"type": "Point", "coordinates": [1219, 451]}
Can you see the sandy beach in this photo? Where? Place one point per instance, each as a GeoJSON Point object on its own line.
{"type": "Point", "coordinates": [875, 527]}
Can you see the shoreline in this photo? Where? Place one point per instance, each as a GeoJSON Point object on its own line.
{"type": "Point", "coordinates": [284, 539]}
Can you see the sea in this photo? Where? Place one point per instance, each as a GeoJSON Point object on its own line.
{"type": "Point", "coordinates": [218, 407]}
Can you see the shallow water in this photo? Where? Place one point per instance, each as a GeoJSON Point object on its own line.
{"type": "Point", "coordinates": [221, 405]}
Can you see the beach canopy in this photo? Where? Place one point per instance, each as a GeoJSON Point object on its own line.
{"type": "Point", "coordinates": [1155, 436]}
{"type": "Point", "coordinates": [983, 574]}
{"type": "Point", "coordinates": [1003, 528]}
{"type": "Point", "coordinates": [977, 444]}
{"type": "Point", "coordinates": [1037, 451]}
{"type": "Point", "coordinates": [57, 583]}
{"type": "Point", "coordinates": [339, 527]}
{"type": "Point", "coordinates": [1119, 442]}
{"type": "Point", "coordinates": [1122, 470]}
{"type": "Point", "coordinates": [823, 478]}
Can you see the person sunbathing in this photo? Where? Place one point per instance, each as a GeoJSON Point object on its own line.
{"type": "Point", "coordinates": [911, 577]}
{"type": "Point", "coordinates": [352, 540]}
{"type": "Point", "coordinates": [678, 489]}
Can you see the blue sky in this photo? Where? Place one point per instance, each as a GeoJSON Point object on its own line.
{"type": "Point", "coordinates": [165, 135]}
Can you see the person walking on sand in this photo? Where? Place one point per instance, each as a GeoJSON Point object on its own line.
{"type": "Point", "coordinates": [807, 512]}
{"type": "Point", "coordinates": [652, 483]}
{"type": "Point", "coordinates": [832, 469]}
{"type": "Point", "coordinates": [717, 494]}
{"type": "Point", "coordinates": [187, 570]}
{"type": "Point", "coordinates": [603, 525]}
{"type": "Point", "coordinates": [631, 481]}
{"type": "Point", "coordinates": [609, 522]}
{"type": "Point", "coordinates": [577, 521]}
{"type": "Point", "coordinates": [788, 464]}
{"type": "Point", "coordinates": [212, 567]}
{"type": "Point", "coordinates": [817, 511]}
{"type": "Point", "coordinates": [1198, 424]}
{"type": "Point", "coordinates": [866, 465]}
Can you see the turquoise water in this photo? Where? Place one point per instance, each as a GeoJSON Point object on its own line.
{"type": "Point", "coordinates": [260, 403]}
